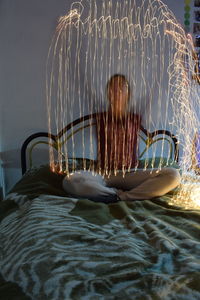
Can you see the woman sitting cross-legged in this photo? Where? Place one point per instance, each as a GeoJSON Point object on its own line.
{"type": "Point", "coordinates": [117, 134]}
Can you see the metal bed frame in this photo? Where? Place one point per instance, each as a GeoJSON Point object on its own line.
{"type": "Point", "coordinates": [56, 139]}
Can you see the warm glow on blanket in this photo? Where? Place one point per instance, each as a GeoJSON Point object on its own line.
{"type": "Point", "coordinates": [189, 194]}
{"type": "Point", "coordinates": [195, 195]}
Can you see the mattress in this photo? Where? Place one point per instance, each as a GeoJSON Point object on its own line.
{"type": "Point", "coordinates": [53, 246]}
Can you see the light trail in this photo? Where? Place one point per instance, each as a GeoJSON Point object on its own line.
{"type": "Point", "coordinates": [142, 40]}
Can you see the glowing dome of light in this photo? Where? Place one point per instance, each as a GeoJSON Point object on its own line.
{"type": "Point", "coordinates": [138, 38]}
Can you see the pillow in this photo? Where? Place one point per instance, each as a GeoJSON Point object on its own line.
{"type": "Point", "coordinates": [37, 181]}
{"type": "Point", "coordinates": [79, 163]}
{"type": "Point", "coordinates": [157, 162]}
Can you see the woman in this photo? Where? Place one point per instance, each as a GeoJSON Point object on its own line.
{"type": "Point", "coordinates": [117, 134]}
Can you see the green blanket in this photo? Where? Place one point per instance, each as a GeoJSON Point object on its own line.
{"type": "Point", "coordinates": [56, 247]}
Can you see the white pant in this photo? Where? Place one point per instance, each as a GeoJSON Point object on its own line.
{"type": "Point", "coordinates": [136, 185]}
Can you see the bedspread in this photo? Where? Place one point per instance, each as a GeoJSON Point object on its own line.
{"type": "Point", "coordinates": [56, 247]}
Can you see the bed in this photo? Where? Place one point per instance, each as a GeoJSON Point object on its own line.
{"type": "Point", "coordinates": [53, 246]}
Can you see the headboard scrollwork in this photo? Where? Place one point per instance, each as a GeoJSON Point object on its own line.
{"type": "Point", "coordinates": [56, 141]}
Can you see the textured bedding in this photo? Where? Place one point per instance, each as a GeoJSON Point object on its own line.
{"type": "Point", "coordinates": [56, 247]}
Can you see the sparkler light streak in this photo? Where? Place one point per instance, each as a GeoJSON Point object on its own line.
{"type": "Point", "coordinates": [140, 39]}
{"type": "Point", "coordinates": [189, 195]}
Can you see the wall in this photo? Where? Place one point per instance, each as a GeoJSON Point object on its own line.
{"type": "Point", "coordinates": [26, 28]}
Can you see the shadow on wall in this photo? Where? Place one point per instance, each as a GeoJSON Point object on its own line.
{"type": "Point", "coordinates": [11, 165]}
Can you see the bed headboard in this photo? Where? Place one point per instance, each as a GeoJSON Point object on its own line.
{"type": "Point", "coordinates": [149, 138]}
